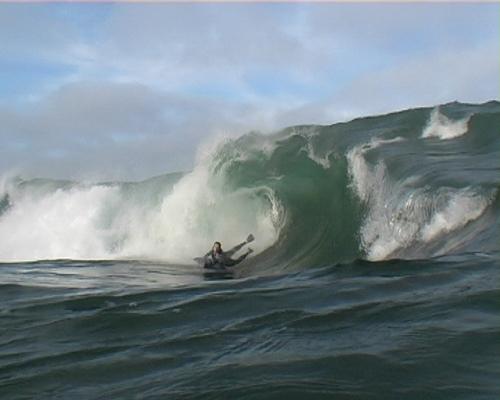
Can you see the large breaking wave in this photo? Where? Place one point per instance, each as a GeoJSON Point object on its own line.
{"type": "Point", "coordinates": [412, 184]}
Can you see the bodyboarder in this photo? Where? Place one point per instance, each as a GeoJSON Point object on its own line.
{"type": "Point", "coordinates": [217, 258]}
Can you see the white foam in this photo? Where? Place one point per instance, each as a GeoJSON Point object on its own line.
{"type": "Point", "coordinates": [364, 178]}
{"type": "Point", "coordinates": [199, 211]}
{"type": "Point", "coordinates": [62, 224]}
{"type": "Point", "coordinates": [99, 222]}
{"type": "Point", "coordinates": [440, 126]}
{"type": "Point", "coordinates": [399, 215]}
{"type": "Point", "coordinates": [323, 162]}
{"type": "Point", "coordinates": [463, 206]}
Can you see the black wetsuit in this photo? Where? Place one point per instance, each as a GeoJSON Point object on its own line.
{"type": "Point", "coordinates": [223, 259]}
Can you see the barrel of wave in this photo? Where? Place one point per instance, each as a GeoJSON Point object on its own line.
{"type": "Point", "coordinates": [202, 209]}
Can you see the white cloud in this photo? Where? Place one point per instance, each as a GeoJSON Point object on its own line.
{"type": "Point", "coordinates": [117, 130]}
{"type": "Point", "coordinates": [150, 82]}
{"type": "Point", "coordinates": [468, 75]}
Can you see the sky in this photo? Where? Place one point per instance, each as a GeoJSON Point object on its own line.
{"type": "Point", "coordinates": [129, 91]}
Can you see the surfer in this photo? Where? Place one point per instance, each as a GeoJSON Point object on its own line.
{"type": "Point", "coordinates": [217, 258]}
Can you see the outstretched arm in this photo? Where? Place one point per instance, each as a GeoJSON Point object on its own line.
{"type": "Point", "coordinates": [231, 263]}
{"type": "Point", "coordinates": [204, 259]}
{"type": "Point", "coordinates": [229, 253]}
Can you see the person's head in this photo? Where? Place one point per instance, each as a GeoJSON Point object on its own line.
{"type": "Point", "coordinates": [217, 247]}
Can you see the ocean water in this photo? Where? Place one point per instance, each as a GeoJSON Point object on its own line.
{"type": "Point", "coordinates": [376, 271]}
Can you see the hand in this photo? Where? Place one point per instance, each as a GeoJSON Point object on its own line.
{"type": "Point", "coordinates": [250, 238]}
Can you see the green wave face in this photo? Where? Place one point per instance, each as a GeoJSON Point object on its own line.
{"type": "Point", "coordinates": [413, 184]}
{"type": "Point", "coordinates": [376, 187]}
{"type": "Point", "coordinates": [319, 215]}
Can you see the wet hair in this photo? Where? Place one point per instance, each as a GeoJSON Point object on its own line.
{"type": "Point", "coordinates": [220, 246]}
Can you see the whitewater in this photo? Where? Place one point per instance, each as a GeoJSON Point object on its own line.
{"type": "Point", "coordinates": [374, 274]}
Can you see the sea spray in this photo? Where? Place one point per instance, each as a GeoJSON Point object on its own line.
{"type": "Point", "coordinates": [312, 195]}
{"type": "Point", "coordinates": [117, 220]}
{"type": "Point", "coordinates": [312, 318]}
{"type": "Point", "coordinates": [442, 127]}
{"type": "Point", "coordinates": [400, 216]}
